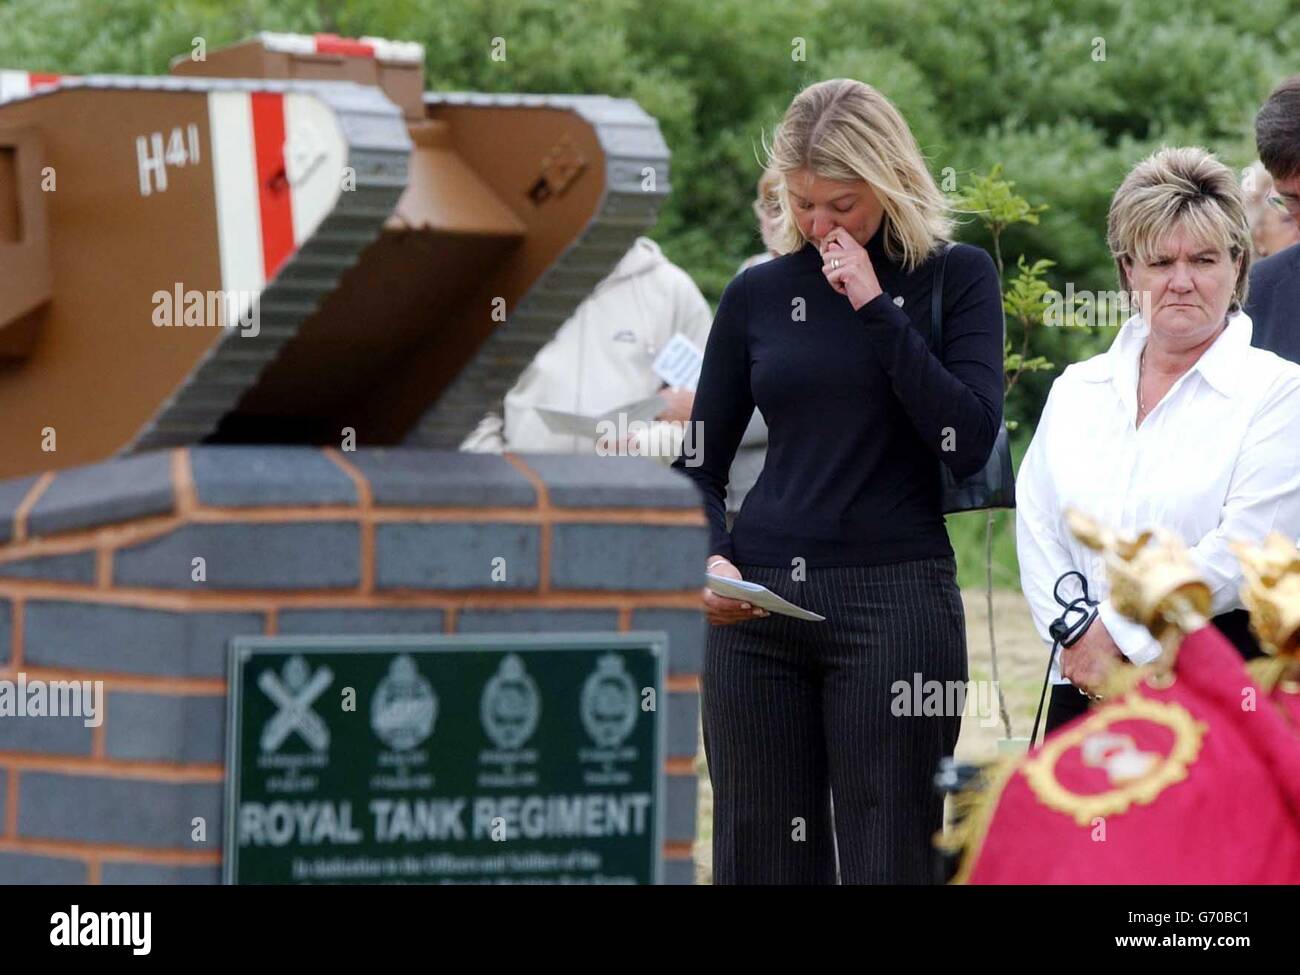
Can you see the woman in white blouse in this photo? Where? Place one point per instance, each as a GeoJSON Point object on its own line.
{"type": "Point", "coordinates": [1181, 424]}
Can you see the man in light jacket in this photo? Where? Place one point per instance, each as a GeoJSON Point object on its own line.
{"type": "Point", "coordinates": [603, 358]}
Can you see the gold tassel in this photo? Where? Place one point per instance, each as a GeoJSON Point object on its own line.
{"type": "Point", "coordinates": [1269, 672]}
{"type": "Point", "coordinates": [975, 806]}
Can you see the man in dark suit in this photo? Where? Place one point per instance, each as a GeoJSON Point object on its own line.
{"type": "Point", "coordinates": [1273, 298]}
{"type": "Point", "coordinates": [1273, 301]}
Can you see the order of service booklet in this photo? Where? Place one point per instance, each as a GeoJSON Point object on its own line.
{"type": "Point", "coordinates": [756, 595]}
{"type": "Point", "coordinates": [580, 425]}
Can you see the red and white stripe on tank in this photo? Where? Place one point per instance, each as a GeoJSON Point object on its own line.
{"type": "Point", "coordinates": [380, 48]}
{"type": "Point", "coordinates": [20, 84]}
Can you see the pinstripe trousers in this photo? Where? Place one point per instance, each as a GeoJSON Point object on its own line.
{"type": "Point", "coordinates": [794, 710]}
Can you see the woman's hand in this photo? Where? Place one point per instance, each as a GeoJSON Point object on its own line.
{"type": "Point", "coordinates": [1086, 664]}
{"type": "Point", "coordinates": [679, 403]}
{"type": "Point", "coordinates": [722, 611]}
{"type": "Point", "coordinates": [848, 268]}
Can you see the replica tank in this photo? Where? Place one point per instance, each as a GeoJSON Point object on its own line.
{"type": "Point", "coordinates": [290, 240]}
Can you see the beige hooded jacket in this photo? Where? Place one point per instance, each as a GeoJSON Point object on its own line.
{"type": "Point", "coordinates": [603, 357]}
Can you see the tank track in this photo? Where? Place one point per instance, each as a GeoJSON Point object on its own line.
{"type": "Point", "coordinates": [379, 151]}
{"type": "Point", "coordinates": [631, 141]}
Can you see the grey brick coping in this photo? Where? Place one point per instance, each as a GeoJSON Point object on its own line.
{"type": "Point", "coordinates": [587, 481]}
{"type": "Point", "coordinates": [409, 476]}
{"type": "Point", "coordinates": [115, 490]}
{"type": "Point", "coordinates": [262, 476]}
{"type": "Point", "coordinates": [141, 485]}
{"type": "Point", "coordinates": [12, 493]}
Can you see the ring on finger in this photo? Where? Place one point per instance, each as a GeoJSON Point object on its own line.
{"type": "Point", "coordinates": [835, 263]}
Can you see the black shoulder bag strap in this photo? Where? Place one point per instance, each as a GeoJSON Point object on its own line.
{"type": "Point", "coordinates": [936, 303]}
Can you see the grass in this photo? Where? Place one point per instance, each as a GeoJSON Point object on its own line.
{"type": "Point", "coordinates": [966, 532]}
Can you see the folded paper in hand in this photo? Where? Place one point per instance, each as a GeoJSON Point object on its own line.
{"type": "Point", "coordinates": [576, 424]}
{"type": "Point", "coordinates": [756, 595]}
{"type": "Point", "coordinates": [680, 362]}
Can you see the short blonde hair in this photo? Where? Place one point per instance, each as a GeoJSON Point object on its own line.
{"type": "Point", "coordinates": [1187, 187]}
{"type": "Point", "coordinates": [845, 130]}
{"type": "Point", "coordinates": [767, 202]}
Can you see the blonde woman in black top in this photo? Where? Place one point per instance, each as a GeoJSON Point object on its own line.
{"type": "Point", "coordinates": [829, 343]}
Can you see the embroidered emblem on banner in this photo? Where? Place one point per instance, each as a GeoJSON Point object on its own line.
{"type": "Point", "coordinates": [1125, 753]}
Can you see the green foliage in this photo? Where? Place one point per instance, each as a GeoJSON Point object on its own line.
{"type": "Point", "coordinates": [1026, 293]}
{"type": "Point", "coordinates": [966, 533]}
{"type": "Point", "coordinates": [1065, 98]}
{"type": "Point", "coordinates": [1015, 82]}
{"type": "Point", "coordinates": [994, 200]}
{"type": "Point", "coordinates": [997, 206]}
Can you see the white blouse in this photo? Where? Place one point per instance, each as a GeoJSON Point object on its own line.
{"type": "Point", "coordinates": [1217, 460]}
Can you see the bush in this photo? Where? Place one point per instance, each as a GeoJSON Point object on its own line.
{"type": "Point", "coordinates": [1024, 83]}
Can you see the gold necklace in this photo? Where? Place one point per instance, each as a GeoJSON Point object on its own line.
{"type": "Point", "coordinates": [1142, 408]}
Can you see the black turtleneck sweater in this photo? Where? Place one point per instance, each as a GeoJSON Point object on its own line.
{"type": "Point", "coordinates": [859, 412]}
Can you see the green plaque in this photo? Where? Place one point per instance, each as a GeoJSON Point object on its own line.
{"type": "Point", "coordinates": [445, 759]}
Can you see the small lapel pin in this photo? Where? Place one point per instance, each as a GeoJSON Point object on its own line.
{"type": "Point", "coordinates": [899, 301]}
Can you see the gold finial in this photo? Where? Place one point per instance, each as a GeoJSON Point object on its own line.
{"type": "Point", "coordinates": [1153, 580]}
{"type": "Point", "coordinates": [1271, 592]}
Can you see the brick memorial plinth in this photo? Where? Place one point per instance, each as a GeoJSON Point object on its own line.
{"type": "Point", "coordinates": [98, 581]}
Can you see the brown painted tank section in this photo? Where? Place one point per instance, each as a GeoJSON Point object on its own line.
{"type": "Point", "coordinates": [79, 352]}
{"type": "Point", "coordinates": [26, 278]}
{"type": "Point", "coordinates": [95, 367]}
{"type": "Point", "coordinates": [403, 83]}
{"type": "Point", "coordinates": [418, 305]}
{"type": "Point", "coordinates": [506, 147]}
{"type": "Point", "coordinates": [407, 284]}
